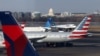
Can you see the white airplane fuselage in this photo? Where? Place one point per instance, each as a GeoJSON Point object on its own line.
{"type": "Point", "coordinates": [35, 29]}
{"type": "Point", "coordinates": [49, 36]}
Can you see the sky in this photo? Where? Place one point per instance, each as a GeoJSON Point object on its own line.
{"type": "Point", "coordinates": [44, 5]}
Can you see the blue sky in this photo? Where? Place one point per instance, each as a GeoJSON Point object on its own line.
{"type": "Point", "coordinates": [44, 5]}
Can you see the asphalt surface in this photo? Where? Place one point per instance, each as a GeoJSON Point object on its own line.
{"type": "Point", "coordinates": [89, 46]}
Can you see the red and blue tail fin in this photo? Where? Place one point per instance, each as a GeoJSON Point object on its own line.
{"type": "Point", "coordinates": [82, 29]}
{"type": "Point", "coordinates": [16, 42]}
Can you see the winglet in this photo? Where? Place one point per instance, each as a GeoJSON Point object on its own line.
{"type": "Point", "coordinates": [16, 42]}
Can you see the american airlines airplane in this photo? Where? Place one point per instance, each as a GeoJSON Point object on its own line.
{"type": "Point", "coordinates": [61, 38]}
{"type": "Point", "coordinates": [16, 41]}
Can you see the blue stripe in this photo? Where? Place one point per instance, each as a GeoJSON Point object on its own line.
{"type": "Point", "coordinates": [80, 26]}
{"type": "Point", "coordinates": [7, 18]}
{"type": "Point", "coordinates": [11, 44]}
{"type": "Point", "coordinates": [30, 51]}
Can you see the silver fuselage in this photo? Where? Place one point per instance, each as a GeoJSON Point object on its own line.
{"type": "Point", "coordinates": [49, 36]}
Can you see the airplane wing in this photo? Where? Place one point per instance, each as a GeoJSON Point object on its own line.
{"type": "Point", "coordinates": [36, 39]}
{"type": "Point", "coordinates": [64, 26]}
{"type": "Point", "coordinates": [89, 34]}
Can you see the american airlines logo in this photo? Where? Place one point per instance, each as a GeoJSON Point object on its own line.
{"type": "Point", "coordinates": [82, 30]}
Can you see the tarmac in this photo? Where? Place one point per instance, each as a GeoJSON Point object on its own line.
{"type": "Point", "coordinates": [89, 46]}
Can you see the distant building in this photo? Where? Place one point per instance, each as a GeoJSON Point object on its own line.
{"type": "Point", "coordinates": [35, 14]}
{"type": "Point", "coordinates": [20, 14]}
{"type": "Point", "coordinates": [51, 12]}
{"type": "Point", "coordinates": [15, 15]}
{"type": "Point", "coordinates": [96, 12]}
{"type": "Point", "coordinates": [58, 14]}
{"type": "Point", "coordinates": [66, 14]}
{"type": "Point", "coordinates": [79, 14]}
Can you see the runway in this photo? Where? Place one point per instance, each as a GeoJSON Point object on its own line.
{"type": "Point", "coordinates": [71, 51]}
{"type": "Point", "coordinates": [89, 46]}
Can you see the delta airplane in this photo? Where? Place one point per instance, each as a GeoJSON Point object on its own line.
{"type": "Point", "coordinates": [16, 41]}
{"type": "Point", "coordinates": [59, 38]}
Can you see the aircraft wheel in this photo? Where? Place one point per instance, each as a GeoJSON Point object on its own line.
{"type": "Point", "coordinates": [50, 44]}
{"type": "Point", "coordinates": [60, 44]}
{"type": "Point", "coordinates": [69, 44]}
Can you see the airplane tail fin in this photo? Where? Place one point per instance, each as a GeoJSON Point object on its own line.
{"type": "Point", "coordinates": [16, 42]}
{"type": "Point", "coordinates": [49, 23]}
{"type": "Point", "coordinates": [81, 30]}
{"type": "Point", "coordinates": [22, 25]}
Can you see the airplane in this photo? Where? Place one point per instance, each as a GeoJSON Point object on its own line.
{"type": "Point", "coordinates": [54, 27]}
{"type": "Point", "coordinates": [1, 40]}
{"type": "Point", "coordinates": [16, 42]}
{"type": "Point", "coordinates": [49, 26]}
{"type": "Point", "coordinates": [63, 28]}
{"type": "Point", "coordinates": [61, 38]}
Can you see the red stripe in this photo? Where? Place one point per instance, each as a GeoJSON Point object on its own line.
{"type": "Point", "coordinates": [8, 48]}
{"type": "Point", "coordinates": [22, 27]}
{"type": "Point", "coordinates": [12, 31]}
{"type": "Point", "coordinates": [85, 28]}
{"type": "Point", "coordinates": [20, 44]}
{"type": "Point", "coordinates": [15, 33]}
{"type": "Point", "coordinates": [88, 20]}
{"type": "Point", "coordinates": [76, 36]}
{"type": "Point", "coordinates": [79, 32]}
{"type": "Point", "coordinates": [80, 36]}
{"type": "Point", "coordinates": [86, 24]}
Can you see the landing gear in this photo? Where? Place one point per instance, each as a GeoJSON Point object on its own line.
{"type": "Point", "coordinates": [50, 45]}
{"type": "Point", "coordinates": [69, 44]}
{"type": "Point", "coordinates": [61, 44]}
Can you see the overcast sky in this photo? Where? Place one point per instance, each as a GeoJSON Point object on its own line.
{"type": "Point", "coordinates": [44, 5]}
